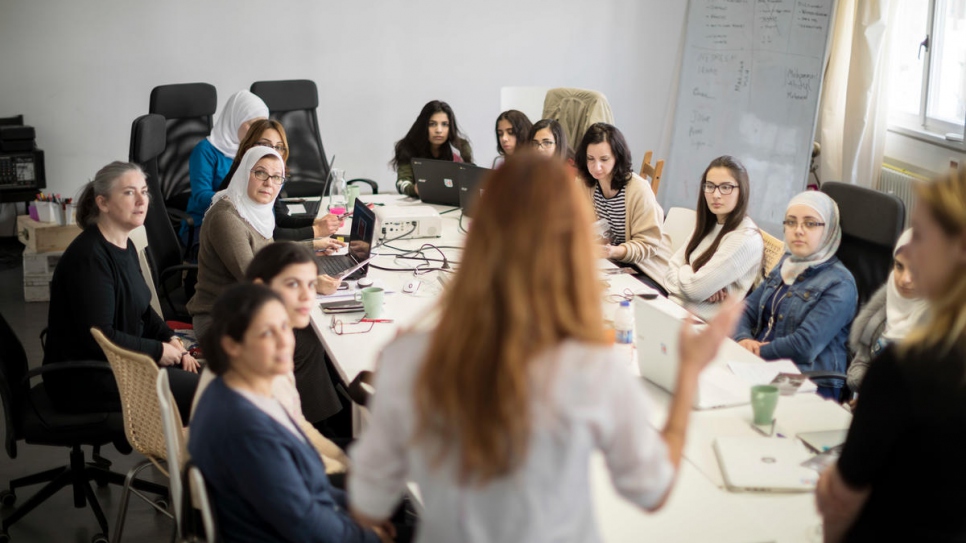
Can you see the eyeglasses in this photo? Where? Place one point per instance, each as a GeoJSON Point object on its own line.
{"type": "Point", "coordinates": [265, 143]}
{"type": "Point", "coordinates": [263, 176]}
{"type": "Point", "coordinates": [338, 327]}
{"type": "Point", "coordinates": [544, 144]}
{"type": "Point", "coordinates": [809, 225]}
{"type": "Point", "coordinates": [724, 188]}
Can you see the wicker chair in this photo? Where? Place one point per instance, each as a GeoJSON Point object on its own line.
{"type": "Point", "coordinates": [774, 250]}
{"type": "Point", "coordinates": [136, 375]}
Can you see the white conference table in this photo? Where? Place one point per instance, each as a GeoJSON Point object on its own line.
{"type": "Point", "coordinates": [699, 508]}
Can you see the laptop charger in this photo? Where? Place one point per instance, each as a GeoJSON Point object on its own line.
{"type": "Point", "coordinates": [408, 222]}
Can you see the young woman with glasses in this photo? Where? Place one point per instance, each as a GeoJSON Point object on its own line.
{"type": "Point", "coordinates": [625, 201]}
{"type": "Point", "coordinates": [212, 156]}
{"type": "Point", "coordinates": [239, 222]}
{"type": "Point", "coordinates": [270, 133]}
{"type": "Point", "coordinates": [804, 308]}
{"type": "Point", "coordinates": [433, 135]}
{"type": "Point", "coordinates": [723, 257]}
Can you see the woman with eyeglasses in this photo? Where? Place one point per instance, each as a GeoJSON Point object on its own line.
{"type": "Point", "coordinates": [901, 475]}
{"type": "Point", "coordinates": [496, 412]}
{"type": "Point", "coordinates": [723, 257]}
{"type": "Point", "coordinates": [433, 135]}
{"type": "Point", "coordinates": [270, 133]}
{"type": "Point", "coordinates": [804, 308]}
{"type": "Point", "coordinates": [548, 138]}
{"type": "Point", "coordinates": [212, 156]}
{"type": "Point", "coordinates": [266, 481]}
{"type": "Point", "coordinates": [239, 222]}
{"type": "Point", "coordinates": [512, 129]}
{"type": "Point", "coordinates": [625, 202]}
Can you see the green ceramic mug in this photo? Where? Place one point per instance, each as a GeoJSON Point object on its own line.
{"type": "Point", "coordinates": [372, 299]}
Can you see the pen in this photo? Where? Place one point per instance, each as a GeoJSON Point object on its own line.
{"type": "Point", "coordinates": [375, 320]}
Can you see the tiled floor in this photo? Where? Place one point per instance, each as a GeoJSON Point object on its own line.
{"type": "Point", "coordinates": [57, 520]}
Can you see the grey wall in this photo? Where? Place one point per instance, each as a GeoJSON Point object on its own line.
{"type": "Point", "coordinates": [82, 71]}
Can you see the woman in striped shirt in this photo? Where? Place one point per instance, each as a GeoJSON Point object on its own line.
{"type": "Point", "coordinates": [723, 257]}
{"type": "Point", "coordinates": [625, 202]}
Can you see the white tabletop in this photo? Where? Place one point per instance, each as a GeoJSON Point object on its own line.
{"type": "Point", "coordinates": [699, 508]}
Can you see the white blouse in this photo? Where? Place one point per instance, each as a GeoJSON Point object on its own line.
{"type": "Point", "coordinates": [584, 399]}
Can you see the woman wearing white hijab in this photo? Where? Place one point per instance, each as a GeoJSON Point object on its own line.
{"type": "Point", "coordinates": [239, 222]}
{"type": "Point", "coordinates": [803, 309]}
{"type": "Point", "coordinates": [891, 313]}
{"type": "Point", "coordinates": [212, 157]}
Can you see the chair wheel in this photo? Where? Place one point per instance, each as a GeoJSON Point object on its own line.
{"type": "Point", "coordinates": [162, 503]}
{"type": "Point", "coordinates": [99, 538]}
{"type": "Point", "coordinates": [7, 499]}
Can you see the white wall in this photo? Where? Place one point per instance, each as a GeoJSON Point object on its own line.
{"type": "Point", "coordinates": [80, 72]}
{"type": "Point", "coordinates": [927, 158]}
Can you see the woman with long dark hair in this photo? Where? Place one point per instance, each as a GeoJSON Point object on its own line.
{"type": "Point", "coordinates": [433, 135]}
{"type": "Point", "coordinates": [512, 128]}
{"type": "Point", "coordinates": [723, 257]}
{"type": "Point", "coordinates": [496, 412]}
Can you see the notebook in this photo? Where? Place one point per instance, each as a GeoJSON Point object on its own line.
{"type": "Point", "coordinates": [761, 464]}
{"type": "Point", "coordinates": [360, 246]}
{"type": "Point", "coordinates": [437, 181]}
{"type": "Point", "coordinates": [656, 334]}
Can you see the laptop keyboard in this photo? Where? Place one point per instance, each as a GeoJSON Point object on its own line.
{"type": "Point", "coordinates": [334, 265]}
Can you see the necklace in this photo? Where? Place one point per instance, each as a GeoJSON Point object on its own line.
{"type": "Point", "coordinates": [775, 300]}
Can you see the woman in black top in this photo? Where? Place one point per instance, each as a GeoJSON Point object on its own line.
{"type": "Point", "coordinates": [901, 476]}
{"type": "Point", "coordinates": [98, 282]}
{"type": "Point", "coordinates": [433, 135]}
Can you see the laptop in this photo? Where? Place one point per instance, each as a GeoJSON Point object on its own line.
{"type": "Point", "coordinates": [760, 464]}
{"type": "Point", "coordinates": [470, 188]}
{"type": "Point", "coordinates": [361, 234]}
{"type": "Point", "coordinates": [437, 181]}
{"type": "Point", "coordinates": [656, 332]}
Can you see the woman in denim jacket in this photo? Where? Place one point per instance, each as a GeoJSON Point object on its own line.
{"type": "Point", "coordinates": [804, 308]}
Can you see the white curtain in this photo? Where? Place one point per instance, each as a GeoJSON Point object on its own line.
{"type": "Point", "coordinates": [854, 107]}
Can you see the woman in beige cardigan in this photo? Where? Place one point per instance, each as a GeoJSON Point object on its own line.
{"type": "Point", "coordinates": [625, 202]}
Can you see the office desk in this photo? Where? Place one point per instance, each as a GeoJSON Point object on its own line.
{"type": "Point", "coordinates": [698, 509]}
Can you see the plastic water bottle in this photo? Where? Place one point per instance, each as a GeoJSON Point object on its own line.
{"type": "Point", "coordinates": [624, 324]}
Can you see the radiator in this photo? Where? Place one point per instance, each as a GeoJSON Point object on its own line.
{"type": "Point", "coordinates": [901, 183]}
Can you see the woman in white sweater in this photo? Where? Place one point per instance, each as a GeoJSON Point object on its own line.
{"type": "Point", "coordinates": [724, 256]}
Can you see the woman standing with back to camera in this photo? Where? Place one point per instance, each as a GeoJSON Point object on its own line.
{"type": "Point", "coordinates": [433, 135]}
{"type": "Point", "coordinates": [901, 476]}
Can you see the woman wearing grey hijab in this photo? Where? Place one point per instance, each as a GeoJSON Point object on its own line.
{"type": "Point", "coordinates": [804, 308]}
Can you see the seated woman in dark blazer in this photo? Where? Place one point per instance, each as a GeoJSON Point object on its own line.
{"type": "Point", "coordinates": [804, 308]}
{"type": "Point", "coordinates": [433, 135]}
{"type": "Point", "coordinates": [98, 282]}
{"type": "Point", "coordinates": [901, 476]}
{"type": "Point", "coordinates": [266, 480]}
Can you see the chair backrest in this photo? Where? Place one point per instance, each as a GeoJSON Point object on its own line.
{"type": "Point", "coordinates": [294, 103]}
{"type": "Point", "coordinates": [774, 251]}
{"type": "Point", "coordinates": [136, 375]}
{"type": "Point", "coordinates": [576, 110]}
{"type": "Point", "coordinates": [679, 225]}
{"type": "Point", "coordinates": [147, 146]}
{"type": "Point", "coordinates": [872, 222]}
{"type": "Point", "coordinates": [13, 371]}
{"type": "Point", "coordinates": [652, 171]}
{"type": "Point", "coordinates": [174, 440]}
{"type": "Point", "coordinates": [189, 111]}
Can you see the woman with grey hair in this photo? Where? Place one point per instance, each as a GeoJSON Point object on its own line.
{"type": "Point", "coordinates": [98, 283]}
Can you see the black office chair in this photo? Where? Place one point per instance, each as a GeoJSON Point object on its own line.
{"type": "Point", "coordinates": [165, 253]}
{"type": "Point", "coordinates": [293, 103]}
{"type": "Point", "coordinates": [30, 416]}
{"type": "Point", "coordinates": [188, 109]}
{"type": "Point", "coordinates": [872, 222]}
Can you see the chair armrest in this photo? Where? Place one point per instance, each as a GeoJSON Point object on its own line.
{"type": "Point", "coordinates": [73, 365]}
{"type": "Point", "coordinates": [171, 270]}
{"type": "Point", "coordinates": [181, 216]}
{"type": "Point", "coordinates": [357, 392]}
{"type": "Point", "coordinates": [372, 184]}
{"type": "Point", "coordinates": [825, 375]}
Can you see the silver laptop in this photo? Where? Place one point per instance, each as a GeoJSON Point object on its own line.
{"type": "Point", "coordinates": [761, 464]}
{"type": "Point", "coordinates": [656, 334]}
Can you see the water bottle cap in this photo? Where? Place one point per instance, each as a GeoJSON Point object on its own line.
{"type": "Point", "coordinates": [626, 303]}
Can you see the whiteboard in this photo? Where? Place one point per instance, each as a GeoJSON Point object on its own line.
{"type": "Point", "coordinates": [751, 78]}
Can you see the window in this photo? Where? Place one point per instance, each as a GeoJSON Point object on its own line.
{"type": "Point", "coordinates": [928, 71]}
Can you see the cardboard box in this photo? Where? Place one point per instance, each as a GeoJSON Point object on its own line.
{"type": "Point", "coordinates": [42, 237]}
{"type": "Point", "coordinates": [36, 288]}
{"type": "Point", "coordinates": [40, 263]}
